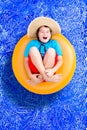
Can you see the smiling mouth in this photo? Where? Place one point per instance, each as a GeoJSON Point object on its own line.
{"type": "Point", "coordinates": [44, 37]}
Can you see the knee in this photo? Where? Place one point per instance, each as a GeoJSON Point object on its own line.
{"type": "Point", "coordinates": [51, 52]}
{"type": "Point", "coordinates": [33, 50]}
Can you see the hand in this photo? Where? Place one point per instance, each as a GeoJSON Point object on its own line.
{"type": "Point", "coordinates": [49, 72]}
{"type": "Point", "coordinates": [55, 78]}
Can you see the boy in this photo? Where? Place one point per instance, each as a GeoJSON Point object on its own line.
{"type": "Point", "coordinates": [43, 56]}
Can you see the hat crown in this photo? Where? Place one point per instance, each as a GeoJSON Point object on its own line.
{"type": "Point", "coordinates": [40, 21]}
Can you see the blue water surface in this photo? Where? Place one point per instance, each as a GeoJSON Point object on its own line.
{"type": "Point", "coordinates": [21, 109]}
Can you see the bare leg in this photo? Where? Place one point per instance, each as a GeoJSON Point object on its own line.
{"type": "Point", "coordinates": [37, 61]}
{"type": "Point", "coordinates": [49, 61]}
{"type": "Point", "coordinates": [49, 58]}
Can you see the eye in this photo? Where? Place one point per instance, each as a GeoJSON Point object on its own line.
{"type": "Point", "coordinates": [48, 31]}
{"type": "Point", "coordinates": [41, 32]}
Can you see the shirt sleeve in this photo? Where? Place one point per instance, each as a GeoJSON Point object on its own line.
{"type": "Point", "coordinates": [57, 48]}
{"type": "Point", "coordinates": [27, 48]}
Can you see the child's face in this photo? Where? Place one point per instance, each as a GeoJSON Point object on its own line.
{"type": "Point", "coordinates": [44, 34]}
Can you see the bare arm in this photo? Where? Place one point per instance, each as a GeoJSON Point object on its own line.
{"type": "Point", "coordinates": [59, 64]}
{"type": "Point", "coordinates": [27, 67]}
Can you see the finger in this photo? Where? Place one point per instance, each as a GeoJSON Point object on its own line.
{"type": "Point", "coordinates": [49, 75]}
{"type": "Point", "coordinates": [28, 80]}
{"type": "Point", "coordinates": [59, 74]}
{"type": "Point", "coordinates": [31, 83]}
{"type": "Point", "coordinates": [47, 70]}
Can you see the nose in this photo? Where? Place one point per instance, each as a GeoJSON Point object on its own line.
{"type": "Point", "coordinates": [45, 33]}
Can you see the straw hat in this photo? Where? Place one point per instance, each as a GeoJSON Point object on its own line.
{"type": "Point", "coordinates": [40, 21]}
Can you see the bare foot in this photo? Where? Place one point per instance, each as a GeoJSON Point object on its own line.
{"type": "Point", "coordinates": [33, 83]}
{"type": "Point", "coordinates": [54, 78]}
{"type": "Point", "coordinates": [39, 76]}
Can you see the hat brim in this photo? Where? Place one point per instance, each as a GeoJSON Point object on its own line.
{"type": "Point", "coordinates": [40, 21]}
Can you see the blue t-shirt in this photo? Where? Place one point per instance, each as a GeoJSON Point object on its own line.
{"type": "Point", "coordinates": [43, 47]}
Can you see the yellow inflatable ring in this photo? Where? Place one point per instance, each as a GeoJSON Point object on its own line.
{"type": "Point", "coordinates": [67, 69]}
